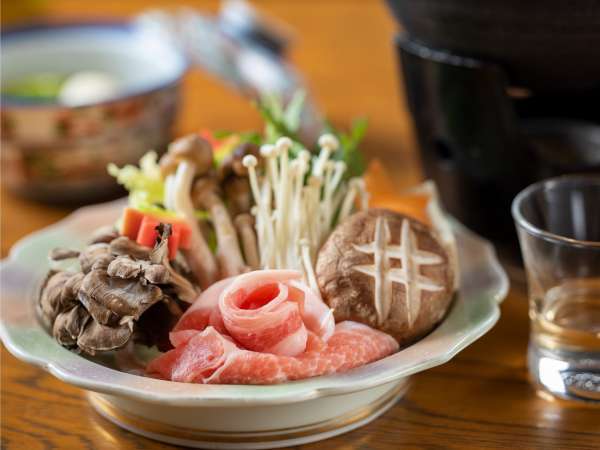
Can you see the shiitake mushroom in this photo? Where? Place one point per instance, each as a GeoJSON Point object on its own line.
{"type": "Point", "coordinates": [386, 270]}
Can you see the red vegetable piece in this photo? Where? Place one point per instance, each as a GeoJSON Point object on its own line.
{"type": "Point", "coordinates": [174, 241]}
{"type": "Point", "coordinates": [210, 137]}
{"type": "Point", "coordinates": [147, 232]}
{"type": "Point", "coordinates": [185, 232]}
{"type": "Point", "coordinates": [130, 225]}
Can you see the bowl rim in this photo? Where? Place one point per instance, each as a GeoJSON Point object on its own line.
{"type": "Point", "coordinates": [43, 26]}
{"type": "Point", "coordinates": [90, 375]}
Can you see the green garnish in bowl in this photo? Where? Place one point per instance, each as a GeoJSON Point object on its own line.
{"type": "Point", "coordinates": [43, 86]}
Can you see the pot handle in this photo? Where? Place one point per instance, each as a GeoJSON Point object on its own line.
{"type": "Point", "coordinates": [239, 46]}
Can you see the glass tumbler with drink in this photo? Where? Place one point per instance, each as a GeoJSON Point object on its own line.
{"type": "Point", "coordinates": [558, 223]}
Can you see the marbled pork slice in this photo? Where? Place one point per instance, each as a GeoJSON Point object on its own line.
{"type": "Point", "coordinates": [210, 357]}
{"type": "Point", "coordinates": [205, 310]}
{"type": "Point", "coordinates": [267, 311]}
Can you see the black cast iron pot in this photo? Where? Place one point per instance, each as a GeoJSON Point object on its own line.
{"type": "Point", "coordinates": [545, 45]}
{"type": "Point", "coordinates": [503, 93]}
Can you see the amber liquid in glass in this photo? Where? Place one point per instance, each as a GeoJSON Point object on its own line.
{"type": "Point", "coordinates": [568, 317]}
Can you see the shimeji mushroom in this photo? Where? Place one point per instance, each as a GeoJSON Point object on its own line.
{"type": "Point", "coordinates": [233, 178]}
{"type": "Point", "coordinates": [244, 223]}
{"type": "Point", "coordinates": [238, 195]}
{"type": "Point", "coordinates": [187, 157]}
{"type": "Point", "coordinates": [206, 195]}
{"type": "Point", "coordinates": [298, 202]}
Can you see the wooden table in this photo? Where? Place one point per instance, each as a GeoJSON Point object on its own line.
{"type": "Point", "coordinates": [481, 399]}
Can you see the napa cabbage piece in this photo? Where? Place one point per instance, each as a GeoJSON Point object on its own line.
{"type": "Point", "coordinates": [146, 186]}
{"type": "Point", "coordinates": [144, 183]}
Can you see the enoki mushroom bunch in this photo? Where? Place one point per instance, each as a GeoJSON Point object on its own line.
{"type": "Point", "coordinates": [299, 201]}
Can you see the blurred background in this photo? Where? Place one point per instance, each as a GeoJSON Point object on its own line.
{"type": "Point", "coordinates": [483, 99]}
{"type": "Point", "coordinates": [356, 79]}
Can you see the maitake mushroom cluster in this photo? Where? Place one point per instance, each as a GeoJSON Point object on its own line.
{"type": "Point", "coordinates": [123, 291]}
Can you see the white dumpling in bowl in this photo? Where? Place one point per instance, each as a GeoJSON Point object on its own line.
{"type": "Point", "coordinates": [85, 87]}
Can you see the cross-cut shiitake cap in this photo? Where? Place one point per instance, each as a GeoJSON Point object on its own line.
{"type": "Point", "coordinates": [351, 292]}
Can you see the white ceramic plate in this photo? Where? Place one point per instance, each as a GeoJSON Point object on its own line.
{"type": "Point", "coordinates": [267, 416]}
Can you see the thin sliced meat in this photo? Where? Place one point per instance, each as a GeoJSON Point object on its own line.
{"type": "Point", "coordinates": [181, 337]}
{"type": "Point", "coordinates": [210, 357]}
{"type": "Point", "coordinates": [205, 310]}
{"type": "Point", "coordinates": [272, 311]}
{"type": "Point", "coordinates": [268, 311]}
{"type": "Point", "coordinates": [265, 327]}
{"type": "Point", "coordinates": [316, 315]}
{"type": "Point", "coordinates": [195, 359]}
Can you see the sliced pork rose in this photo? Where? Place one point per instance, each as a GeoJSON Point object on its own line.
{"type": "Point", "coordinates": [265, 327]}
{"type": "Point", "coordinates": [204, 311]}
{"type": "Point", "coordinates": [268, 311]}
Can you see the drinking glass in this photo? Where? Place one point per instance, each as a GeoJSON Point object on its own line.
{"type": "Point", "coordinates": [558, 223]}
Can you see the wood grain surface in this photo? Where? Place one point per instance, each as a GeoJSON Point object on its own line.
{"type": "Point", "coordinates": [481, 399]}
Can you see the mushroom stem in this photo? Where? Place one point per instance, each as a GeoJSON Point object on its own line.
{"type": "Point", "coordinates": [229, 253]}
{"type": "Point", "coordinates": [263, 214]}
{"type": "Point", "coordinates": [290, 207]}
{"type": "Point", "coordinates": [189, 156]}
{"type": "Point", "coordinates": [268, 230]}
{"type": "Point", "coordinates": [228, 248]}
{"type": "Point", "coordinates": [309, 271]}
{"type": "Point", "coordinates": [244, 224]}
{"type": "Point", "coordinates": [199, 257]}
{"type": "Point", "coordinates": [169, 192]}
{"type": "Point", "coordinates": [356, 187]}
{"type": "Point", "coordinates": [269, 153]}
{"type": "Point", "coordinates": [282, 205]}
{"type": "Point", "coordinates": [328, 144]}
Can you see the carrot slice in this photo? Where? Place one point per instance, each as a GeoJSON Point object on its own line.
{"type": "Point", "coordinates": [383, 194]}
{"type": "Point", "coordinates": [147, 233]}
{"type": "Point", "coordinates": [140, 227]}
{"type": "Point", "coordinates": [174, 241]}
{"type": "Point", "coordinates": [130, 223]}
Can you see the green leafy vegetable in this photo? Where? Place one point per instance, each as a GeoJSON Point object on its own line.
{"type": "Point", "coordinates": [144, 183]}
{"type": "Point", "coordinates": [349, 150]}
{"type": "Point", "coordinates": [293, 112]}
{"type": "Point", "coordinates": [285, 121]}
{"type": "Point", "coordinates": [280, 121]}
